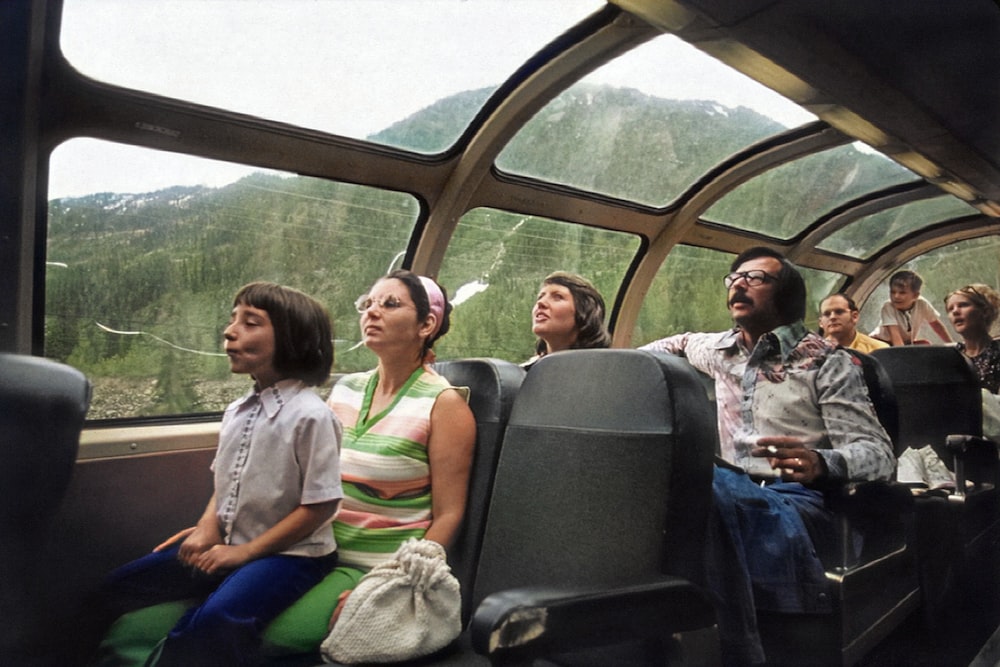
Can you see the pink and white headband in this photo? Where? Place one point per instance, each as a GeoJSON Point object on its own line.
{"type": "Point", "coordinates": [436, 299]}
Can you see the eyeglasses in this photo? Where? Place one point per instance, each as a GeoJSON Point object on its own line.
{"type": "Point", "coordinates": [385, 304]}
{"type": "Point", "coordinates": [751, 278]}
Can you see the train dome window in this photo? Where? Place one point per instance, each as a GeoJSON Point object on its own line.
{"type": "Point", "coordinates": [864, 237]}
{"type": "Point", "coordinates": [495, 263]}
{"type": "Point", "coordinates": [407, 74]}
{"type": "Point", "coordinates": [686, 295]}
{"type": "Point", "coordinates": [649, 123]}
{"type": "Point", "coordinates": [782, 202]}
{"type": "Point", "coordinates": [140, 274]}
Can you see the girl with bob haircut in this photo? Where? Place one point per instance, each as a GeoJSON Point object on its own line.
{"type": "Point", "coordinates": [303, 334]}
{"type": "Point", "coordinates": [264, 538]}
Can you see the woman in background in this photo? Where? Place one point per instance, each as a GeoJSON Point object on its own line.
{"type": "Point", "coordinates": [972, 311]}
{"type": "Point", "coordinates": [568, 315]}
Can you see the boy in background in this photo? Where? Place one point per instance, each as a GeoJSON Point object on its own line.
{"type": "Point", "coordinates": [906, 312]}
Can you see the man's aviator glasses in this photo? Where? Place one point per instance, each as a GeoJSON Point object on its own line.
{"type": "Point", "coordinates": [385, 304]}
{"type": "Point", "coordinates": [751, 278]}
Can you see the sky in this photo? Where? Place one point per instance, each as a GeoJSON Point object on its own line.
{"type": "Point", "coordinates": [351, 67]}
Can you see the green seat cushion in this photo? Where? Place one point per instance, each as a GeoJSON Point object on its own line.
{"type": "Point", "coordinates": [302, 627]}
{"type": "Point", "coordinates": [299, 629]}
{"type": "Point", "coordinates": [134, 635]}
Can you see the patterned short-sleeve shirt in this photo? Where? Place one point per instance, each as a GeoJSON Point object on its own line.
{"type": "Point", "coordinates": [792, 383]}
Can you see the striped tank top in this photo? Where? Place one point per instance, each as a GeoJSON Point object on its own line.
{"type": "Point", "coordinates": [384, 464]}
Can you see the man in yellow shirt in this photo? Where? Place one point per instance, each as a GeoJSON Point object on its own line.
{"type": "Point", "coordinates": [838, 317]}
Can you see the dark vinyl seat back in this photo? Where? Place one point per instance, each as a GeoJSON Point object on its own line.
{"type": "Point", "coordinates": [493, 384]}
{"type": "Point", "coordinates": [938, 394]}
{"type": "Point", "coordinates": [42, 409]}
{"type": "Point", "coordinates": [882, 393]}
{"type": "Point", "coordinates": [604, 476]}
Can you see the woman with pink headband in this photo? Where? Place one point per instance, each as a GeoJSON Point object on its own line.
{"type": "Point", "coordinates": [406, 450]}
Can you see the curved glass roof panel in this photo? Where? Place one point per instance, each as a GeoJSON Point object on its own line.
{"type": "Point", "coordinates": [866, 236]}
{"type": "Point", "coordinates": [405, 74]}
{"type": "Point", "coordinates": [785, 200]}
{"type": "Point", "coordinates": [648, 124]}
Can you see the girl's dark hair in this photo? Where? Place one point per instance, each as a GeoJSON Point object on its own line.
{"type": "Point", "coordinates": [422, 302]}
{"type": "Point", "coordinates": [790, 288]}
{"type": "Point", "coordinates": [589, 312]}
{"type": "Point", "coordinates": [303, 335]}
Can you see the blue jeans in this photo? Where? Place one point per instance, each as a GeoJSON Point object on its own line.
{"type": "Point", "coordinates": [226, 628]}
{"type": "Point", "coordinates": [761, 554]}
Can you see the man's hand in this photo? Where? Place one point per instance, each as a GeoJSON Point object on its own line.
{"type": "Point", "coordinates": [790, 456]}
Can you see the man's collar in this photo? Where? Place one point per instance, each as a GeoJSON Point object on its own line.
{"type": "Point", "coordinates": [788, 337]}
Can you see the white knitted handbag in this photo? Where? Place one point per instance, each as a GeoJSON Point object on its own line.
{"type": "Point", "coordinates": [406, 607]}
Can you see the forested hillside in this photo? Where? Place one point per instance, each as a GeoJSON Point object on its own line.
{"type": "Point", "coordinates": [167, 263]}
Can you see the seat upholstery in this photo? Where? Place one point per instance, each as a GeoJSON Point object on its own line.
{"type": "Point", "coordinates": [922, 376]}
{"type": "Point", "coordinates": [493, 384]}
{"type": "Point", "coordinates": [42, 408]}
{"type": "Point", "coordinates": [587, 421]}
{"type": "Point", "coordinates": [604, 481]}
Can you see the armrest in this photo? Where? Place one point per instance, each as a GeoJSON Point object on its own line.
{"type": "Point", "coordinates": [975, 460]}
{"type": "Point", "coordinates": [871, 500]}
{"type": "Point", "coordinates": [876, 510]}
{"type": "Point", "coordinates": [540, 621]}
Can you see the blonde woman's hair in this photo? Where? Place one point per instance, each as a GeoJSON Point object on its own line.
{"type": "Point", "coordinates": [983, 297]}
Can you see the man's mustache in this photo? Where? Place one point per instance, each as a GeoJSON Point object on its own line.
{"type": "Point", "coordinates": [740, 297]}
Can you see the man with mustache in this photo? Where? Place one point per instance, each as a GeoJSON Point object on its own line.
{"type": "Point", "coordinates": [793, 412]}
